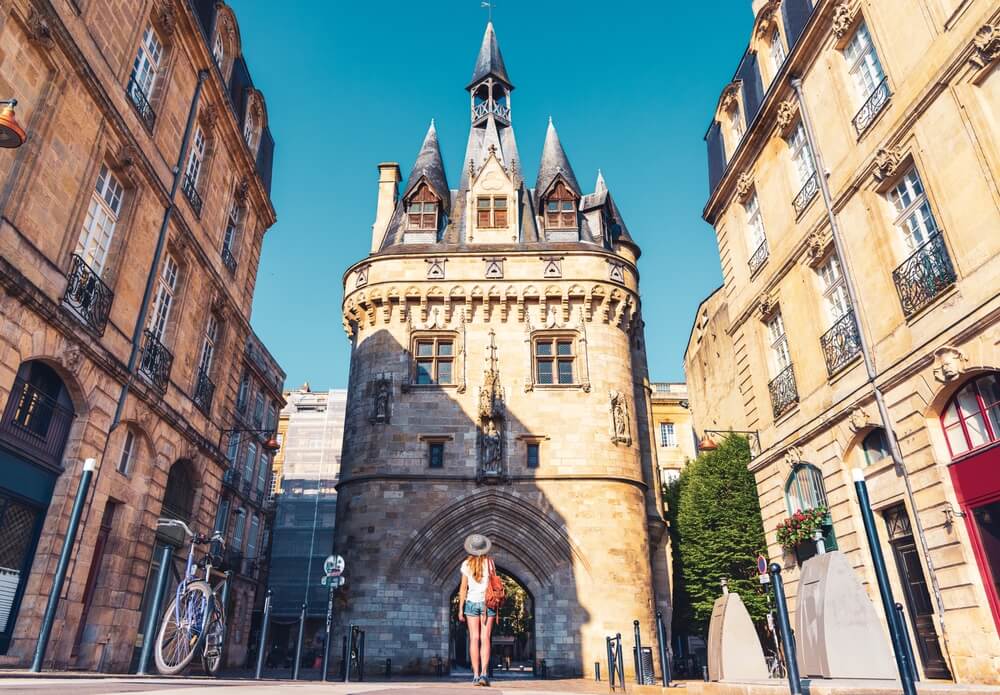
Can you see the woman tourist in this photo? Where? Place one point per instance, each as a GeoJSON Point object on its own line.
{"type": "Point", "coordinates": [472, 609]}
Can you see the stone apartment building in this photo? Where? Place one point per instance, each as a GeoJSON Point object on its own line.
{"type": "Point", "coordinates": [881, 120]}
{"type": "Point", "coordinates": [111, 95]}
{"type": "Point", "coordinates": [673, 428]}
{"type": "Point", "coordinates": [498, 385]}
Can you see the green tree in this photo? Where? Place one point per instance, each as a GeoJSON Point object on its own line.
{"type": "Point", "coordinates": [717, 532]}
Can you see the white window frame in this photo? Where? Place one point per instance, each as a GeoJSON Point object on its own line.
{"type": "Point", "coordinates": [238, 528]}
{"type": "Point", "coordinates": [777, 51]}
{"type": "Point", "coordinates": [233, 448]}
{"type": "Point", "coordinates": [102, 218]}
{"type": "Point", "coordinates": [128, 452]}
{"type": "Point", "coordinates": [232, 228]}
{"type": "Point", "coordinates": [146, 67]}
{"type": "Point", "coordinates": [913, 216]}
{"type": "Point", "coordinates": [219, 48]}
{"type": "Point", "coordinates": [253, 533]}
{"type": "Point", "coordinates": [802, 157]}
{"type": "Point", "coordinates": [836, 301]}
{"type": "Point", "coordinates": [208, 345]}
{"type": "Point", "coordinates": [166, 287]}
{"type": "Point", "coordinates": [250, 130]}
{"type": "Point", "coordinates": [250, 462]}
{"type": "Point", "coordinates": [262, 470]}
{"type": "Point", "coordinates": [863, 64]}
{"type": "Point", "coordinates": [781, 358]}
{"type": "Point", "coordinates": [668, 435]}
{"type": "Point", "coordinates": [197, 157]}
{"type": "Point", "coordinates": [755, 223]}
{"type": "Point", "coordinates": [736, 129]}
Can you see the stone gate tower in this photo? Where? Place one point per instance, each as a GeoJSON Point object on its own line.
{"type": "Point", "coordinates": [498, 385]}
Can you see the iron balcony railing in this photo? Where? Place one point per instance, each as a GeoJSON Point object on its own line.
{"type": "Point", "coordinates": [808, 191]}
{"type": "Point", "coordinates": [34, 423]}
{"type": "Point", "coordinates": [873, 106]}
{"type": "Point", "coordinates": [924, 275]}
{"type": "Point", "coordinates": [486, 108]}
{"type": "Point", "coordinates": [137, 95]}
{"type": "Point", "coordinates": [87, 295]}
{"type": "Point", "coordinates": [204, 390]}
{"type": "Point", "coordinates": [190, 188]}
{"type": "Point", "coordinates": [842, 343]}
{"type": "Point", "coordinates": [228, 259]}
{"type": "Point", "coordinates": [784, 393]}
{"type": "Point", "coordinates": [155, 362]}
{"type": "Point", "coordinates": [245, 487]}
{"type": "Point", "coordinates": [759, 257]}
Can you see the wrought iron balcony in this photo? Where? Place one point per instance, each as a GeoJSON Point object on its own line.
{"type": "Point", "coordinates": [759, 257]}
{"type": "Point", "coordinates": [809, 190]}
{"type": "Point", "coordinates": [228, 259]}
{"type": "Point", "coordinates": [245, 487]}
{"type": "Point", "coordinates": [231, 478]}
{"type": "Point", "coordinates": [190, 188]}
{"type": "Point", "coordinates": [784, 393]}
{"type": "Point", "coordinates": [204, 389]}
{"type": "Point", "coordinates": [873, 106]}
{"type": "Point", "coordinates": [924, 275]}
{"type": "Point", "coordinates": [155, 362]}
{"type": "Point", "coordinates": [140, 101]}
{"type": "Point", "coordinates": [841, 343]}
{"type": "Point", "coordinates": [34, 423]}
{"type": "Point", "coordinates": [87, 295]}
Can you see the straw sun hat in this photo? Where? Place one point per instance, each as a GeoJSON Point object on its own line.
{"type": "Point", "coordinates": [477, 544]}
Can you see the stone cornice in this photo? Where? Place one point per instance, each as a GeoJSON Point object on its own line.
{"type": "Point", "coordinates": [428, 478]}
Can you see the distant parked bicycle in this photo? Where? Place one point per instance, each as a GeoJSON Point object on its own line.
{"type": "Point", "coordinates": [775, 666]}
{"type": "Point", "coordinates": [195, 622]}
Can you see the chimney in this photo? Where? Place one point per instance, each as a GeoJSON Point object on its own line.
{"type": "Point", "coordinates": [388, 190]}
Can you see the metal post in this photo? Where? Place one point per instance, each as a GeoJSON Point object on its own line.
{"type": "Point", "coordinates": [57, 582]}
{"type": "Point", "coordinates": [349, 653]}
{"type": "Point", "coordinates": [361, 655]}
{"type": "Point", "coordinates": [265, 624]}
{"type": "Point", "coordinates": [597, 671]}
{"type": "Point", "coordinates": [343, 657]}
{"type": "Point", "coordinates": [906, 641]}
{"type": "Point", "coordinates": [226, 589]}
{"type": "Point", "coordinates": [298, 645]}
{"type": "Point", "coordinates": [787, 640]}
{"type": "Point", "coordinates": [621, 660]}
{"type": "Point", "coordinates": [611, 665]}
{"type": "Point", "coordinates": [149, 635]}
{"type": "Point", "coordinates": [388, 669]}
{"type": "Point", "coordinates": [326, 640]}
{"type": "Point", "coordinates": [884, 589]}
{"type": "Point", "coordinates": [638, 653]}
{"type": "Point", "coordinates": [661, 636]}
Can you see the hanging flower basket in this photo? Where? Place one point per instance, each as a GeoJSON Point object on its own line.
{"type": "Point", "coordinates": [800, 527]}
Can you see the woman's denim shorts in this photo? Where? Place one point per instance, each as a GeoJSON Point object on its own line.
{"type": "Point", "coordinates": [477, 608]}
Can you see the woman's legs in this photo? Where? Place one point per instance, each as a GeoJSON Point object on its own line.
{"type": "Point", "coordinates": [486, 642]}
{"type": "Point", "coordinates": [473, 622]}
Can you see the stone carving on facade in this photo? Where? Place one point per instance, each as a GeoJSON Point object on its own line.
{"type": "Point", "coordinates": [382, 399]}
{"type": "Point", "coordinates": [791, 458]}
{"type": "Point", "coordinates": [242, 189]}
{"type": "Point", "coordinates": [986, 45]}
{"type": "Point", "coordinates": [785, 115]}
{"type": "Point", "coordinates": [552, 269]}
{"type": "Point", "coordinates": [729, 95]}
{"type": "Point", "coordinates": [817, 245]}
{"type": "Point", "coordinates": [744, 184]}
{"type": "Point", "coordinates": [621, 431]}
{"type": "Point", "coordinates": [362, 278]}
{"type": "Point", "coordinates": [124, 159]}
{"type": "Point", "coordinates": [765, 19]}
{"type": "Point", "coordinates": [887, 162]}
{"type": "Point", "coordinates": [949, 363]}
{"type": "Point", "coordinates": [435, 268]}
{"type": "Point", "coordinates": [494, 268]}
{"type": "Point", "coordinates": [843, 18]}
{"type": "Point", "coordinates": [165, 17]}
{"type": "Point", "coordinates": [39, 29]}
{"type": "Point", "coordinates": [71, 357]}
{"type": "Point", "coordinates": [859, 420]}
{"type": "Point", "coordinates": [492, 418]}
{"type": "Point", "coordinates": [767, 304]}
{"type": "Point", "coordinates": [616, 272]}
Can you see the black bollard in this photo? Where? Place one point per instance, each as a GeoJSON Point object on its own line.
{"type": "Point", "coordinates": [597, 671]}
{"type": "Point", "coordinates": [787, 641]}
{"type": "Point", "coordinates": [298, 644]}
{"type": "Point", "coordinates": [906, 642]}
{"type": "Point", "coordinates": [361, 655]}
{"type": "Point", "coordinates": [264, 625]}
{"type": "Point", "coordinates": [885, 590]}
{"type": "Point", "coordinates": [350, 652]}
{"type": "Point", "coordinates": [611, 665]}
{"type": "Point", "coordinates": [621, 660]}
{"type": "Point", "coordinates": [388, 669]}
{"type": "Point", "coordinates": [661, 636]}
{"type": "Point", "coordinates": [343, 657]}
{"type": "Point", "coordinates": [639, 679]}
{"type": "Point", "coordinates": [149, 636]}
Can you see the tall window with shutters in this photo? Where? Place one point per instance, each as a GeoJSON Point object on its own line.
{"type": "Point", "coordinates": [229, 236]}
{"type": "Point", "coordinates": [780, 357]}
{"type": "Point", "coordinates": [166, 286]}
{"type": "Point", "coordinates": [560, 208]}
{"type": "Point", "coordinates": [252, 536]}
{"type": "Point", "coordinates": [195, 159]}
{"type": "Point", "coordinates": [262, 470]}
{"type": "Point", "coordinates": [249, 463]}
{"type": "Point", "coordinates": [102, 217]}
{"type": "Point", "coordinates": [128, 452]}
{"type": "Point", "coordinates": [777, 51]}
{"type": "Point", "coordinates": [250, 129]}
{"type": "Point", "coordinates": [756, 237]}
{"type": "Point", "coordinates": [239, 527]}
{"type": "Point", "coordinates": [668, 438]}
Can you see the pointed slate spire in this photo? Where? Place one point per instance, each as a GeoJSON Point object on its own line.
{"type": "Point", "coordinates": [490, 61]}
{"type": "Point", "coordinates": [600, 186]}
{"type": "Point", "coordinates": [430, 166]}
{"type": "Point", "coordinates": [554, 162]}
{"type": "Point", "coordinates": [491, 142]}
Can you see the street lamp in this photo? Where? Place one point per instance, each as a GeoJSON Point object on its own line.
{"type": "Point", "coordinates": [12, 135]}
{"type": "Point", "coordinates": [270, 444]}
{"type": "Point", "coordinates": [707, 444]}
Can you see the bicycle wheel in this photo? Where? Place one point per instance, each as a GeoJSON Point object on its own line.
{"type": "Point", "coordinates": [182, 629]}
{"type": "Point", "coordinates": [211, 654]}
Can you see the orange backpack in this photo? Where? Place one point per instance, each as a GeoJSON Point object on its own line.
{"type": "Point", "coordinates": [495, 590]}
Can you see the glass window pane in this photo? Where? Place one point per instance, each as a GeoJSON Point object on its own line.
{"type": "Point", "coordinates": [968, 403]}
{"type": "Point", "coordinates": [532, 456]}
{"type": "Point", "coordinates": [553, 206]}
{"type": "Point", "coordinates": [501, 218]}
{"type": "Point", "coordinates": [436, 454]}
{"type": "Point", "coordinates": [444, 347]}
{"type": "Point", "coordinates": [543, 348]}
{"type": "Point", "coordinates": [564, 347]}
{"type": "Point", "coordinates": [425, 349]}
{"type": "Point", "coordinates": [568, 205]}
{"type": "Point", "coordinates": [424, 373]}
{"type": "Point", "coordinates": [956, 440]}
{"type": "Point", "coordinates": [950, 414]}
{"type": "Point", "coordinates": [444, 372]}
{"type": "Point", "coordinates": [544, 372]}
{"type": "Point", "coordinates": [975, 426]}
{"type": "Point", "coordinates": [565, 372]}
{"type": "Point", "coordinates": [483, 203]}
{"type": "Point", "coordinates": [500, 203]}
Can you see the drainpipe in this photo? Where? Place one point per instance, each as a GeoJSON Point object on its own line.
{"type": "Point", "coordinates": [869, 360]}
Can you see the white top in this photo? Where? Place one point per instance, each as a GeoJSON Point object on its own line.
{"type": "Point", "coordinates": [477, 590]}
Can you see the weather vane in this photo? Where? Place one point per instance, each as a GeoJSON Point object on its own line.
{"type": "Point", "coordinates": [488, 4]}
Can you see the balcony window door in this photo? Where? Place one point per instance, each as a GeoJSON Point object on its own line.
{"type": "Point", "coordinates": [262, 471]}
{"type": "Point", "coordinates": [238, 529]}
{"type": "Point", "coordinates": [863, 64]}
{"type": "Point", "coordinates": [128, 453]}
{"type": "Point", "coordinates": [222, 516]}
{"type": "Point", "coordinates": [912, 211]}
{"type": "Point", "coordinates": [208, 345]}
{"type": "Point", "coordinates": [777, 50]}
{"type": "Point", "coordinates": [233, 447]}
{"type": "Point", "coordinates": [166, 286]}
{"type": "Point", "coordinates": [196, 159]}
{"type": "Point", "coordinates": [252, 535]}
{"type": "Point", "coordinates": [755, 222]}
{"type": "Point", "coordinates": [249, 462]}
{"type": "Point", "coordinates": [147, 62]}
{"type": "Point", "coordinates": [780, 356]}
{"type": "Point", "coordinates": [835, 297]}
{"type": "Point", "coordinates": [102, 217]}
{"type": "Point", "coordinates": [802, 158]}
{"type": "Point", "coordinates": [232, 227]}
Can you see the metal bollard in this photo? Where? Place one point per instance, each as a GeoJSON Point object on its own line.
{"type": "Point", "coordinates": [361, 655]}
{"type": "Point", "coordinates": [661, 636]}
{"type": "Point", "coordinates": [298, 645]}
{"type": "Point", "coordinates": [787, 640]}
{"type": "Point", "coordinates": [149, 635]}
{"type": "Point", "coordinates": [388, 668]}
{"type": "Point", "coordinates": [543, 669]}
{"type": "Point", "coordinates": [597, 671]}
{"type": "Point", "coordinates": [350, 652]}
{"type": "Point", "coordinates": [638, 653]}
{"type": "Point", "coordinates": [906, 641]}
{"type": "Point", "coordinates": [621, 660]}
{"type": "Point", "coordinates": [264, 625]}
{"type": "Point", "coordinates": [343, 657]}
{"type": "Point", "coordinates": [611, 664]}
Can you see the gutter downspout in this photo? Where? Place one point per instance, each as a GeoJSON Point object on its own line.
{"type": "Point", "coordinates": [869, 360]}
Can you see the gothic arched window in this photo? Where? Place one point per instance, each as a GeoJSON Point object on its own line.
{"type": "Point", "coordinates": [972, 416]}
{"type": "Point", "coordinates": [804, 489]}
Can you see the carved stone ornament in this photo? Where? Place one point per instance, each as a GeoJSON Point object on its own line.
{"type": "Point", "coordinates": [242, 189]}
{"type": "Point", "coordinates": [39, 29]}
{"type": "Point", "coordinates": [144, 416]}
{"type": "Point", "coordinates": [71, 358]}
{"type": "Point", "coordinates": [744, 184]}
{"type": "Point", "coordinates": [859, 420]}
{"type": "Point", "coordinates": [492, 418]}
{"type": "Point", "coordinates": [843, 18]}
{"type": "Point", "coordinates": [208, 115]}
{"type": "Point", "coordinates": [435, 268]}
{"type": "Point", "coordinates": [729, 95]}
{"type": "Point", "coordinates": [382, 399]}
{"type": "Point", "coordinates": [987, 45]}
{"type": "Point", "coordinates": [621, 430]}
{"type": "Point", "coordinates": [949, 363]}
{"type": "Point", "coordinates": [616, 272]}
{"type": "Point", "coordinates": [125, 158]}
{"type": "Point", "coordinates": [791, 458]}
{"type": "Point", "coordinates": [887, 162]}
{"type": "Point", "coordinates": [787, 110]}
{"type": "Point", "coordinates": [165, 17]}
{"type": "Point", "coordinates": [816, 246]}
{"type": "Point", "coordinates": [765, 19]}
{"type": "Point", "coordinates": [362, 278]}
{"type": "Point", "coordinates": [766, 306]}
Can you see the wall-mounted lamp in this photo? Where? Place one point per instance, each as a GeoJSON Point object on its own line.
{"type": "Point", "coordinates": [11, 133]}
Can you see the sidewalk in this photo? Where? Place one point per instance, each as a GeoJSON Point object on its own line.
{"type": "Point", "coordinates": [819, 686]}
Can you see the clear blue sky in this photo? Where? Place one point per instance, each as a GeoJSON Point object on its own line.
{"type": "Point", "coordinates": [631, 86]}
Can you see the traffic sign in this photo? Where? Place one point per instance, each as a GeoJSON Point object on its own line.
{"type": "Point", "coordinates": [333, 566]}
{"type": "Point", "coordinates": [761, 564]}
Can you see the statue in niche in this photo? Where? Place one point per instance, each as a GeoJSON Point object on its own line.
{"type": "Point", "coordinates": [381, 397]}
{"type": "Point", "coordinates": [620, 430]}
{"type": "Point", "coordinates": [492, 450]}
{"type": "Point", "coordinates": [492, 417]}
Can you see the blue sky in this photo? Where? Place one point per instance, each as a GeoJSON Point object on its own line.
{"type": "Point", "coordinates": [631, 86]}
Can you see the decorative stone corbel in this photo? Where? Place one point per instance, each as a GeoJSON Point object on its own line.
{"type": "Point", "coordinates": [207, 116]}
{"type": "Point", "coordinates": [787, 111]}
{"type": "Point", "coordinates": [729, 95]}
{"type": "Point", "coordinates": [887, 162]}
{"type": "Point", "coordinates": [744, 184]}
{"type": "Point", "coordinates": [986, 45]}
{"type": "Point", "coordinates": [817, 244]}
{"type": "Point", "coordinates": [165, 17]}
{"type": "Point", "coordinates": [39, 29]}
{"type": "Point", "coordinates": [125, 158]}
{"type": "Point", "coordinates": [843, 18]}
{"type": "Point", "coordinates": [791, 458]}
{"type": "Point", "coordinates": [242, 189]}
{"type": "Point", "coordinates": [71, 358]}
{"type": "Point", "coordinates": [767, 304]}
{"type": "Point", "coordinates": [859, 420]}
{"type": "Point", "coordinates": [949, 364]}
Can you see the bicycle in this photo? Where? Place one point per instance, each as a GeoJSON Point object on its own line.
{"type": "Point", "coordinates": [775, 666]}
{"type": "Point", "coordinates": [195, 622]}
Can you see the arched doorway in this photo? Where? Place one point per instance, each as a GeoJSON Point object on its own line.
{"type": "Point", "coordinates": [513, 651]}
{"type": "Point", "coordinates": [33, 433]}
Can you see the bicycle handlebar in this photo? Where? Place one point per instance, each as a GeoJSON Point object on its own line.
{"type": "Point", "coordinates": [176, 523]}
{"type": "Point", "coordinates": [196, 537]}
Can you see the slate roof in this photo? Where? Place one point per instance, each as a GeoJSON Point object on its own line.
{"type": "Point", "coordinates": [430, 167]}
{"type": "Point", "coordinates": [490, 61]}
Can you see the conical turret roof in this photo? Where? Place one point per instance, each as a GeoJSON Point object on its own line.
{"type": "Point", "coordinates": [429, 166]}
{"type": "Point", "coordinates": [490, 61]}
{"type": "Point", "coordinates": [554, 163]}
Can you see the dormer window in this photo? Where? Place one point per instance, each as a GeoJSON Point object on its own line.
{"type": "Point", "coordinates": [560, 208]}
{"type": "Point", "coordinates": [422, 211]}
{"type": "Point", "coordinates": [491, 211]}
